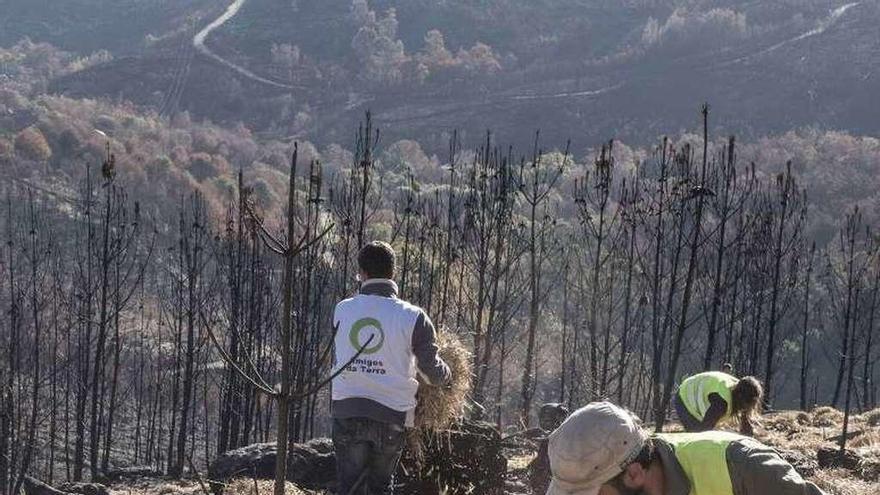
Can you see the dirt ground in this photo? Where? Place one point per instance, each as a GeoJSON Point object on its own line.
{"type": "Point", "coordinates": [806, 433]}
{"type": "Point", "coordinates": [792, 431]}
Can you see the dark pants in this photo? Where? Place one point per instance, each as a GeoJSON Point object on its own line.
{"type": "Point", "coordinates": [367, 453]}
{"type": "Point", "coordinates": [687, 420]}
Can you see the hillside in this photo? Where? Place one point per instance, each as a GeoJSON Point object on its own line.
{"type": "Point", "coordinates": [84, 26]}
{"type": "Point", "coordinates": [626, 70]}
{"type": "Point", "coordinates": [835, 167]}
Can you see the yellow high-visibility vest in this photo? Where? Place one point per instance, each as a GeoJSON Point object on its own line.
{"type": "Point", "coordinates": [703, 457]}
{"type": "Point", "coordinates": [694, 392]}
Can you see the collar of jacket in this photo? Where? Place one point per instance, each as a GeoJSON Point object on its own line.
{"type": "Point", "coordinates": [379, 287]}
{"type": "Point", "coordinates": [676, 481]}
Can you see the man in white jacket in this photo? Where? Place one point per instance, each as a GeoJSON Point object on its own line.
{"type": "Point", "coordinates": [374, 397]}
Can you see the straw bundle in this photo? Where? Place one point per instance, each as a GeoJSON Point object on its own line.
{"type": "Point", "coordinates": [439, 407]}
{"type": "Point", "coordinates": [827, 416]}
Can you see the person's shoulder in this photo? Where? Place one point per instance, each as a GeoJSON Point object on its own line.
{"type": "Point", "coordinates": [409, 307]}
{"type": "Point", "coordinates": [346, 302]}
{"type": "Point", "coordinates": [740, 447]}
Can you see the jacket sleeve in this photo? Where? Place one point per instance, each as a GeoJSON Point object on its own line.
{"type": "Point", "coordinates": [756, 469]}
{"type": "Point", "coordinates": [717, 410]}
{"type": "Point", "coordinates": [424, 346]}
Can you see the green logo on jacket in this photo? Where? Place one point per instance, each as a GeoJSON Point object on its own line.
{"type": "Point", "coordinates": [361, 332]}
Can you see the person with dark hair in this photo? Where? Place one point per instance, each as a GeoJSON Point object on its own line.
{"type": "Point", "coordinates": [601, 449]}
{"type": "Point", "coordinates": [383, 342]}
{"type": "Point", "coordinates": [706, 399]}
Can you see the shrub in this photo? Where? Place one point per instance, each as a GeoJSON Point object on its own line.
{"type": "Point", "coordinates": [31, 144]}
{"type": "Point", "coordinates": [203, 166]}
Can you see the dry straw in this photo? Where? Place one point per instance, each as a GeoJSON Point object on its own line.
{"type": "Point", "coordinates": [249, 486]}
{"type": "Point", "coordinates": [842, 482]}
{"type": "Point", "coordinates": [441, 407]}
{"type": "Point", "coordinates": [807, 432]}
{"type": "Point", "coordinates": [827, 416]}
{"type": "Point", "coordinates": [872, 417]}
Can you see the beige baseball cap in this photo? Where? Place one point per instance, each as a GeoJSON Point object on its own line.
{"type": "Point", "coordinates": [591, 447]}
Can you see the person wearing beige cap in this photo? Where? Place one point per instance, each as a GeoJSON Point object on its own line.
{"type": "Point", "coordinates": [602, 450]}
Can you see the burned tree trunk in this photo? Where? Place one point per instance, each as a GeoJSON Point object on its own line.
{"type": "Point", "coordinates": [536, 182]}
{"type": "Point", "coordinates": [805, 349]}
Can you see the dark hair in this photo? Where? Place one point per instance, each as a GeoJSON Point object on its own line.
{"type": "Point", "coordinates": [747, 396]}
{"type": "Point", "coordinates": [647, 454]}
{"type": "Point", "coordinates": [376, 259]}
{"type": "Point", "coordinates": [644, 458]}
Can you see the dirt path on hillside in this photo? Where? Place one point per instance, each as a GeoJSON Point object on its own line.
{"type": "Point", "coordinates": [821, 26]}
{"type": "Point", "coordinates": [199, 44]}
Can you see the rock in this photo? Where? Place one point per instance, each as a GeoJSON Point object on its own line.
{"type": "Point", "coordinates": [322, 445]}
{"type": "Point", "coordinates": [33, 486]}
{"type": "Point", "coordinates": [85, 488]}
{"type": "Point", "coordinates": [256, 460]}
{"type": "Point", "coordinates": [128, 474]}
{"type": "Point", "coordinates": [551, 415]}
{"type": "Point", "coordinates": [307, 467]}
